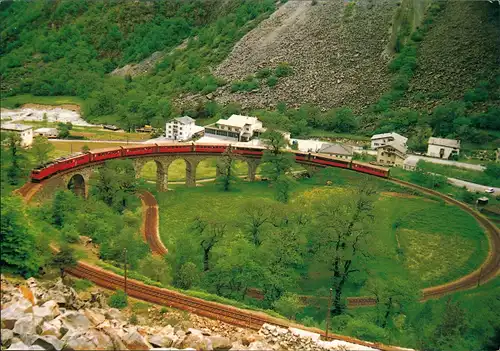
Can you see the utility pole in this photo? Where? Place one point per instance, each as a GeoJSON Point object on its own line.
{"type": "Point", "coordinates": [71, 147]}
{"type": "Point", "coordinates": [328, 313]}
{"type": "Point", "coordinates": [125, 252]}
{"type": "Point", "coordinates": [479, 278]}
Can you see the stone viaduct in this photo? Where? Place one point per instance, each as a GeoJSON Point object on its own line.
{"type": "Point", "coordinates": [78, 180]}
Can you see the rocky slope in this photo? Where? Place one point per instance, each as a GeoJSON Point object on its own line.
{"type": "Point", "coordinates": [461, 48]}
{"type": "Point", "coordinates": [52, 316]}
{"type": "Point", "coordinates": [336, 50]}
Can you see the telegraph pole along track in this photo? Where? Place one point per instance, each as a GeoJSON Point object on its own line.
{"type": "Point", "coordinates": [251, 319]}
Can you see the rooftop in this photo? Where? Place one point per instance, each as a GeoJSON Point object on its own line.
{"type": "Point", "coordinates": [15, 127]}
{"type": "Point", "coordinates": [397, 145]}
{"type": "Point", "coordinates": [444, 142]}
{"type": "Point", "coordinates": [396, 136]}
{"type": "Point", "coordinates": [46, 130]}
{"type": "Point", "coordinates": [337, 149]}
{"type": "Point", "coordinates": [238, 121]}
{"type": "Point", "coordinates": [185, 120]}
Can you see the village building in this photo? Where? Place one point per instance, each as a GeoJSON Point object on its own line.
{"type": "Point", "coordinates": [182, 129]}
{"type": "Point", "coordinates": [391, 154]}
{"type": "Point", "coordinates": [410, 163]}
{"type": "Point", "coordinates": [24, 131]}
{"type": "Point", "coordinates": [337, 150]}
{"type": "Point", "coordinates": [385, 138]}
{"type": "Point", "coordinates": [237, 127]}
{"type": "Point", "coordinates": [443, 148]}
{"type": "Point", "coordinates": [47, 132]}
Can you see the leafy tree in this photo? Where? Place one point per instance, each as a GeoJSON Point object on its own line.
{"type": "Point", "coordinates": [208, 234]}
{"type": "Point", "coordinates": [235, 269]}
{"type": "Point", "coordinates": [64, 130]}
{"type": "Point", "coordinates": [289, 305]}
{"type": "Point", "coordinates": [69, 233]}
{"type": "Point", "coordinates": [276, 163]}
{"type": "Point", "coordinates": [392, 298]}
{"type": "Point", "coordinates": [116, 183]}
{"type": "Point", "coordinates": [187, 276]}
{"type": "Point", "coordinates": [341, 227]}
{"type": "Point", "coordinates": [118, 300]}
{"type": "Point", "coordinates": [225, 167]}
{"type": "Point", "coordinates": [16, 158]}
{"type": "Point", "coordinates": [156, 268]}
{"type": "Point", "coordinates": [63, 205]}
{"type": "Point", "coordinates": [41, 149]}
{"type": "Point", "coordinates": [493, 170]}
{"type": "Point", "coordinates": [17, 243]}
{"type": "Point", "coordinates": [256, 215]}
{"type": "Point", "coordinates": [65, 258]}
{"type": "Point", "coordinates": [85, 148]}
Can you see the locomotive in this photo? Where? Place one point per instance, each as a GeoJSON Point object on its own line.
{"type": "Point", "coordinates": [97, 156]}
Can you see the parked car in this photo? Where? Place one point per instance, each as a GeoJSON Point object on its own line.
{"type": "Point", "coordinates": [489, 191]}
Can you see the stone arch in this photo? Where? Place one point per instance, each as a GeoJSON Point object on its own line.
{"type": "Point", "coordinates": [78, 185]}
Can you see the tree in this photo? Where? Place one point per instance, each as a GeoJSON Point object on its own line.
{"type": "Point", "coordinates": [209, 233]}
{"type": "Point", "coordinates": [187, 276]}
{"type": "Point", "coordinates": [289, 305]}
{"type": "Point", "coordinates": [17, 243]}
{"type": "Point", "coordinates": [493, 170]}
{"type": "Point", "coordinates": [63, 204]}
{"type": "Point", "coordinates": [15, 157]}
{"type": "Point", "coordinates": [226, 172]}
{"type": "Point", "coordinates": [256, 215]}
{"type": "Point", "coordinates": [392, 297]}
{"type": "Point", "coordinates": [341, 226]}
{"type": "Point", "coordinates": [65, 258]}
{"type": "Point", "coordinates": [452, 325]}
{"type": "Point", "coordinates": [156, 268]}
{"type": "Point", "coordinates": [41, 148]}
{"type": "Point", "coordinates": [116, 183]}
{"type": "Point", "coordinates": [85, 148]}
{"type": "Point", "coordinates": [69, 233]}
{"type": "Point", "coordinates": [64, 129]}
{"type": "Point", "coordinates": [276, 163]}
{"type": "Point", "coordinates": [118, 300]}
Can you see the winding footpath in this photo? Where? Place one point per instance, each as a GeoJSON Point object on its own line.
{"type": "Point", "coordinates": [251, 319]}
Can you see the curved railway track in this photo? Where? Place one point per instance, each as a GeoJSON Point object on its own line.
{"type": "Point", "coordinates": [254, 320]}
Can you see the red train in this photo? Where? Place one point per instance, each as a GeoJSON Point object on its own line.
{"type": "Point", "coordinates": [80, 159]}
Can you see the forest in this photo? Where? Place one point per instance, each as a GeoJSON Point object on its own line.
{"type": "Point", "coordinates": [71, 47]}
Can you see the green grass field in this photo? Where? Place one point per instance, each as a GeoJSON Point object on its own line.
{"type": "Point", "coordinates": [430, 251]}
{"type": "Point", "coordinates": [460, 173]}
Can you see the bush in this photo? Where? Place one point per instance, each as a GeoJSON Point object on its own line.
{"type": "Point", "coordinates": [248, 84]}
{"type": "Point", "coordinates": [272, 81]}
{"type": "Point", "coordinates": [283, 70]}
{"type": "Point", "coordinates": [118, 299]}
{"type": "Point", "coordinates": [133, 319]}
{"type": "Point", "coordinates": [264, 73]}
{"type": "Point", "coordinates": [82, 284]}
{"type": "Point", "coordinates": [187, 276]}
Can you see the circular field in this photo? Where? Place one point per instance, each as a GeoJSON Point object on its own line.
{"type": "Point", "coordinates": [413, 237]}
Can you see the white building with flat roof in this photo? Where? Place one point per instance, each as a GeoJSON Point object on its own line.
{"type": "Point", "coordinates": [24, 131]}
{"type": "Point", "coordinates": [238, 127]}
{"type": "Point", "coordinates": [443, 148]}
{"type": "Point", "coordinates": [182, 129]}
{"type": "Point", "coordinates": [385, 138]}
{"type": "Point", "coordinates": [47, 132]}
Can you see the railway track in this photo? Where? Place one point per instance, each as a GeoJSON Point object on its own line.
{"type": "Point", "coordinates": [251, 319]}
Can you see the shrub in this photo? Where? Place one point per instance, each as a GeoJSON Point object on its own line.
{"type": "Point", "coordinates": [133, 319]}
{"type": "Point", "coordinates": [400, 82]}
{"type": "Point", "coordinates": [118, 299]}
{"type": "Point", "coordinates": [82, 284]}
{"type": "Point", "coordinates": [187, 276]}
{"type": "Point", "coordinates": [248, 84]}
{"type": "Point", "coordinates": [283, 70]}
{"type": "Point", "coordinates": [272, 81]}
{"type": "Point", "coordinates": [264, 73]}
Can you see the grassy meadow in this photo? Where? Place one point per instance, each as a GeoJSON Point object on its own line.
{"type": "Point", "coordinates": [421, 247]}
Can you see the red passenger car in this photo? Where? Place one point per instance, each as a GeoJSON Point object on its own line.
{"type": "Point", "coordinates": [175, 148]}
{"type": "Point", "coordinates": [216, 149]}
{"type": "Point", "coordinates": [72, 162]}
{"type": "Point", "coordinates": [106, 154]}
{"type": "Point", "coordinates": [370, 169]}
{"type": "Point", "coordinates": [139, 150]}
{"type": "Point", "coordinates": [247, 150]}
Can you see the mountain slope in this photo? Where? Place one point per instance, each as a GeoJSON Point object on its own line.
{"type": "Point", "coordinates": [335, 51]}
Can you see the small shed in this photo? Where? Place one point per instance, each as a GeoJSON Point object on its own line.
{"type": "Point", "coordinates": [482, 201]}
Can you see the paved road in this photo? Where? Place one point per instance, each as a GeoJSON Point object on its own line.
{"type": "Point", "coordinates": [471, 186]}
